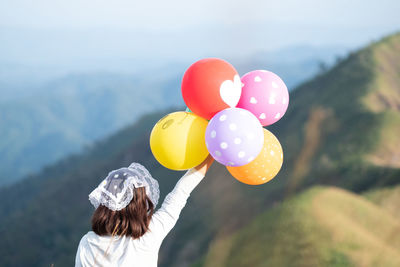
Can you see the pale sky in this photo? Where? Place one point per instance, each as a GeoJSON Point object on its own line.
{"type": "Point", "coordinates": [173, 14]}
{"type": "Point", "coordinates": [51, 32]}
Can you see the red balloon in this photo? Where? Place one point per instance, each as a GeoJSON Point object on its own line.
{"type": "Point", "coordinates": [209, 86]}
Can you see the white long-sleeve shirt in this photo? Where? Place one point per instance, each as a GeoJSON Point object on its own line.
{"type": "Point", "coordinates": [95, 250]}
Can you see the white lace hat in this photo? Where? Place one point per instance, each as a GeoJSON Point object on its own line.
{"type": "Point", "coordinates": [117, 189]}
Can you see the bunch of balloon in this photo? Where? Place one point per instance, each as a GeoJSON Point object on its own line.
{"type": "Point", "coordinates": [225, 116]}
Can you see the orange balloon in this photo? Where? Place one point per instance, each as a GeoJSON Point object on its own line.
{"type": "Point", "coordinates": [265, 166]}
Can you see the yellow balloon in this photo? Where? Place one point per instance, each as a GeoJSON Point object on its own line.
{"type": "Point", "coordinates": [178, 140]}
{"type": "Point", "coordinates": [265, 166]}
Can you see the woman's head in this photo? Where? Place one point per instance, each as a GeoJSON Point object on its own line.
{"type": "Point", "coordinates": [133, 220]}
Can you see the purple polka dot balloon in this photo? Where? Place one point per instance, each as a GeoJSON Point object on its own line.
{"type": "Point", "coordinates": [234, 137]}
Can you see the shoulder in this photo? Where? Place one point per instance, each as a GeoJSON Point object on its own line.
{"type": "Point", "coordinates": [88, 235]}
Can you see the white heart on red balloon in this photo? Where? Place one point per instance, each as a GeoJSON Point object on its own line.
{"type": "Point", "coordinates": [231, 91]}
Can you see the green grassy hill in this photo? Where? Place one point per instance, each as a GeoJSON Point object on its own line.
{"type": "Point", "coordinates": [324, 226]}
{"type": "Point", "coordinates": [334, 131]}
{"type": "Point", "coordinates": [329, 135]}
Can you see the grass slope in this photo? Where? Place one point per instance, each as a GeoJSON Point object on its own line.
{"type": "Point", "coordinates": [333, 135]}
{"type": "Point", "coordinates": [384, 98]}
{"type": "Point", "coordinates": [388, 198]}
{"type": "Point", "coordinates": [324, 226]}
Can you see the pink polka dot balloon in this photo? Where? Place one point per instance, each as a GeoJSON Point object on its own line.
{"type": "Point", "coordinates": [234, 137]}
{"type": "Point", "coordinates": [265, 95]}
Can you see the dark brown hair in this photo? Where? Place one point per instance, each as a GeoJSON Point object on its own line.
{"type": "Point", "coordinates": [133, 220]}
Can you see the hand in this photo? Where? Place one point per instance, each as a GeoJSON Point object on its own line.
{"type": "Point", "coordinates": [205, 165]}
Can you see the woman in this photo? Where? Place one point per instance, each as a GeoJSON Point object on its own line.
{"type": "Point", "coordinates": [125, 229]}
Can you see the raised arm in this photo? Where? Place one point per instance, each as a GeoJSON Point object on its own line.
{"type": "Point", "coordinates": [165, 218]}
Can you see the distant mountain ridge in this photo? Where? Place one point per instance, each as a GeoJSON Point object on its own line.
{"type": "Point", "coordinates": [73, 112]}
{"type": "Point", "coordinates": [327, 135]}
{"type": "Point", "coordinates": [44, 122]}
